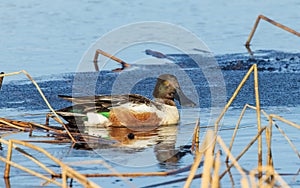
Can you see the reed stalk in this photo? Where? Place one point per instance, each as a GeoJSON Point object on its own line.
{"type": "Point", "coordinates": [12, 125]}
{"type": "Point", "coordinates": [9, 152]}
{"type": "Point", "coordinates": [273, 116]}
{"type": "Point", "coordinates": [289, 140]}
{"type": "Point", "coordinates": [257, 101]}
{"type": "Point", "coordinates": [98, 52]}
{"type": "Point", "coordinates": [195, 141]}
{"type": "Point", "coordinates": [272, 22]}
{"type": "Point", "coordinates": [217, 166]}
{"type": "Point", "coordinates": [270, 171]}
{"type": "Point", "coordinates": [29, 171]}
{"type": "Point", "coordinates": [236, 129]}
{"type": "Point", "coordinates": [208, 162]}
{"type": "Point", "coordinates": [8, 158]}
{"type": "Point", "coordinates": [70, 172]}
{"type": "Point", "coordinates": [43, 97]}
{"type": "Point", "coordinates": [232, 98]}
{"type": "Point", "coordinates": [234, 162]}
{"type": "Point", "coordinates": [197, 160]}
{"type": "Point", "coordinates": [269, 151]}
{"type": "Point", "coordinates": [244, 151]}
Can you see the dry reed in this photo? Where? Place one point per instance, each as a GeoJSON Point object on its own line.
{"type": "Point", "coordinates": [272, 22]}
{"type": "Point", "coordinates": [98, 52]}
{"type": "Point", "coordinates": [43, 97]}
{"type": "Point", "coordinates": [67, 171]}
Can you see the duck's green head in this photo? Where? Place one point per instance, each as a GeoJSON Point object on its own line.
{"type": "Point", "coordinates": [167, 89]}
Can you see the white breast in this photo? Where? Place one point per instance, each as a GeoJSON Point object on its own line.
{"type": "Point", "coordinates": [169, 115]}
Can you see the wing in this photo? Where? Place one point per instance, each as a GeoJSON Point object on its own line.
{"type": "Point", "coordinates": [106, 101]}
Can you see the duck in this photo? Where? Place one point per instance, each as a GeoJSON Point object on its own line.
{"type": "Point", "coordinates": [129, 110]}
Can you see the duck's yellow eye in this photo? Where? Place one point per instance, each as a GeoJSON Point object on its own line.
{"type": "Point", "coordinates": [166, 83]}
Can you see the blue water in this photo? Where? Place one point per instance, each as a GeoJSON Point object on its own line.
{"type": "Point", "coordinates": [49, 40]}
{"type": "Point", "coordinates": [45, 38]}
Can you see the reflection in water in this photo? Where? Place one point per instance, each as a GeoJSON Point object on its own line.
{"type": "Point", "coordinates": [139, 141]}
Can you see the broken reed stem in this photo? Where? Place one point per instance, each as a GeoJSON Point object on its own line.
{"type": "Point", "coordinates": [268, 132]}
{"type": "Point", "coordinates": [273, 116]}
{"type": "Point", "coordinates": [193, 170]}
{"type": "Point", "coordinates": [272, 22]}
{"type": "Point", "coordinates": [289, 141]}
{"type": "Point", "coordinates": [208, 162]}
{"type": "Point", "coordinates": [254, 108]}
{"type": "Point", "coordinates": [7, 182]}
{"type": "Point", "coordinates": [12, 125]}
{"type": "Point", "coordinates": [122, 174]}
{"type": "Point", "coordinates": [79, 177]}
{"type": "Point", "coordinates": [64, 179]}
{"type": "Point", "coordinates": [8, 158]}
{"type": "Point", "coordinates": [98, 51]}
{"type": "Point", "coordinates": [9, 151]}
{"type": "Point", "coordinates": [47, 128]}
{"type": "Point", "coordinates": [235, 129]}
{"type": "Point", "coordinates": [229, 174]}
{"type": "Point", "coordinates": [197, 160]}
{"type": "Point", "coordinates": [252, 31]}
{"type": "Point", "coordinates": [234, 162]}
{"type": "Point", "coordinates": [70, 172]}
{"type": "Point", "coordinates": [21, 125]}
{"type": "Point", "coordinates": [257, 101]}
{"type": "Point", "coordinates": [48, 141]}
{"type": "Point", "coordinates": [232, 98]}
{"type": "Point", "coordinates": [26, 144]}
{"type": "Point", "coordinates": [29, 171]}
{"type": "Point", "coordinates": [244, 150]}
{"type": "Point", "coordinates": [44, 98]}
{"type": "Point", "coordinates": [18, 123]}
{"type": "Point", "coordinates": [195, 141]}
{"type": "Point", "coordinates": [10, 163]}
{"type": "Point", "coordinates": [269, 140]}
{"type": "Point", "coordinates": [265, 179]}
{"type": "Point", "coordinates": [270, 170]}
{"type": "Point", "coordinates": [238, 124]}
{"type": "Point", "coordinates": [46, 183]}
{"type": "Point", "coordinates": [217, 165]}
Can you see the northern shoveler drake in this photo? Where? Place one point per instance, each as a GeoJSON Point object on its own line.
{"type": "Point", "coordinates": [129, 110]}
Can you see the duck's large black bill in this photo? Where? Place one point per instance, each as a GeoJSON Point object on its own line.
{"type": "Point", "coordinates": [183, 100]}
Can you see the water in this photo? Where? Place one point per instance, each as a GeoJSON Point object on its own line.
{"type": "Point", "coordinates": [49, 40]}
